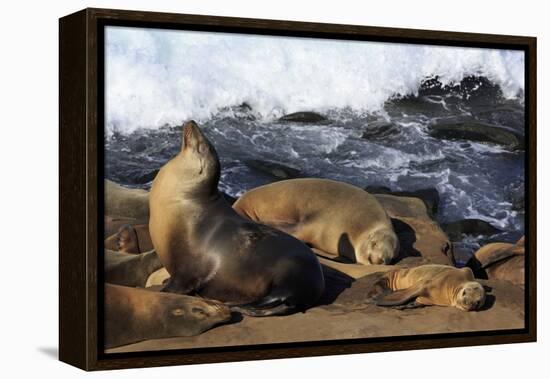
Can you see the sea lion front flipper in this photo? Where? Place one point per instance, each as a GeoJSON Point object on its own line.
{"type": "Point", "coordinates": [401, 297]}
{"type": "Point", "coordinates": [173, 285]}
{"type": "Point", "coordinates": [412, 305]}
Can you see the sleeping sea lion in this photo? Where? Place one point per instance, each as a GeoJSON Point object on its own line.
{"type": "Point", "coordinates": [433, 285]}
{"type": "Point", "coordinates": [500, 260]}
{"type": "Point", "coordinates": [208, 249]}
{"type": "Point", "coordinates": [133, 315]}
{"type": "Point", "coordinates": [335, 217]}
{"type": "Point", "coordinates": [130, 269]}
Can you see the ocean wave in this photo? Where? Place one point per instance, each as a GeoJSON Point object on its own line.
{"type": "Point", "coordinates": [158, 77]}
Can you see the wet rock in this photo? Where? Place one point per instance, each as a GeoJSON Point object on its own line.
{"type": "Point", "coordinates": [456, 229]}
{"type": "Point", "coordinates": [477, 132]}
{"type": "Point", "coordinates": [305, 117]}
{"type": "Point", "coordinates": [380, 130]}
{"type": "Point", "coordinates": [511, 115]}
{"type": "Point", "coordinates": [276, 170]}
{"type": "Point", "coordinates": [420, 237]}
{"type": "Point", "coordinates": [378, 189]}
{"type": "Point", "coordinates": [515, 194]}
{"type": "Point", "coordinates": [412, 105]}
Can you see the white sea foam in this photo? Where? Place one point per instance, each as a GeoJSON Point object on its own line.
{"type": "Point", "coordinates": [157, 77]}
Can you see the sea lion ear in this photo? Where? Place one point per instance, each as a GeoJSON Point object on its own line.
{"type": "Point", "coordinates": [402, 296]}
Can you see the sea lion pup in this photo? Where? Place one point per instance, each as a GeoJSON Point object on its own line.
{"type": "Point", "coordinates": [130, 269]}
{"type": "Point", "coordinates": [335, 217]}
{"type": "Point", "coordinates": [130, 239]}
{"type": "Point", "coordinates": [499, 260]}
{"type": "Point", "coordinates": [133, 315]}
{"type": "Point", "coordinates": [129, 202]}
{"type": "Point", "coordinates": [433, 285]}
{"type": "Point", "coordinates": [208, 249]}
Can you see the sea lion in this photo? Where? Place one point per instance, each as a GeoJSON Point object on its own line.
{"type": "Point", "coordinates": [130, 269]}
{"type": "Point", "coordinates": [499, 260]}
{"type": "Point", "coordinates": [133, 315]}
{"type": "Point", "coordinates": [130, 239]}
{"type": "Point", "coordinates": [335, 217]}
{"type": "Point", "coordinates": [432, 285]}
{"type": "Point", "coordinates": [209, 249]}
{"type": "Point", "coordinates": [129, 202]}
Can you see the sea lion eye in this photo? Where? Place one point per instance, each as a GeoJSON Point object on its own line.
{"type": "Point", "coordinates": [200, 311]}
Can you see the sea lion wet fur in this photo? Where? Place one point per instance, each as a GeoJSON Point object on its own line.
{"type": "Point", "coordinates": [208, 249]}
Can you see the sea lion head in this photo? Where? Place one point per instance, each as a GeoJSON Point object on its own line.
{"type": "Point", "coordinates": [204, 312]}
{"type": "Point", "coordinates": [380, 248]}
{"type": "Point", "coordinates": [199, 164]}
{"type": "Point", "coordinates": [470, 296]}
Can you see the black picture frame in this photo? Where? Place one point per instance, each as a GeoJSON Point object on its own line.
{"type": "Point", "coordinates": [81, 40]}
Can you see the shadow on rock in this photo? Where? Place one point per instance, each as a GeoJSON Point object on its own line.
{"type": "Point", "coordinates": [336, 283]}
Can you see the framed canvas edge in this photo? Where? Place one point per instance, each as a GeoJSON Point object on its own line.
{"type": "Point", "coordinates": [79, 167]}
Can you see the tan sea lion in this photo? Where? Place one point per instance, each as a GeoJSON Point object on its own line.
{"type": "Point", "coordinates": [130, 239]}
{"type": "Point", "coordinates": [499, 260]}
{"type": "Point", "coordinates": [130, 269]}
{"type": "Point", "coordinates": [433, 285]}
{"type": "Point", "coordinates": [210, 250]}
{"type": "Point", "coordinates": [133, 315]}
{"type": "Point", "coordinates": [335, 217]}
{"type": "Point", "coordinates": [128, 202]}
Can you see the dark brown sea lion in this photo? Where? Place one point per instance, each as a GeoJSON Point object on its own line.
{"type": "Point", "coordinates": [433, 285]}
{"type": "Point", "coordinates": [130, 269]}
{"type": "Point", "coordinates": [335, 217]}
{"type": "Point", "coordinates": [130, 239]}
{"type": "Point", "coordinates": [133, 315]}
{"type": "Point", "coordinates": [207, 248]}
{"type": "Point", "coordinates": [500, 260]}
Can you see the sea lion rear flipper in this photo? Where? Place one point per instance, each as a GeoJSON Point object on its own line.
{"type": "Point", "coordinates": [401, 297]}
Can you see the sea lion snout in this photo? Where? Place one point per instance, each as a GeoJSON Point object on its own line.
{"type": "Point", "coordinates": [471, 296]}
{"type": "Point", "coordinates": [193, 137]}
{"type": "Point", "coordinates": [380, 249]}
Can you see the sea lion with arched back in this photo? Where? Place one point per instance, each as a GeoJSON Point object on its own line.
{"type": "Point", "coordinates": [432, 285]}
{"type": "Point", "coordinates": [500, 260]}
{"type": "Point", "coordinates": [335, 217]}
{"type": "Point", "coordinates": [208, 249]}
{"type": "Point", "coordinates": [133, 315]}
